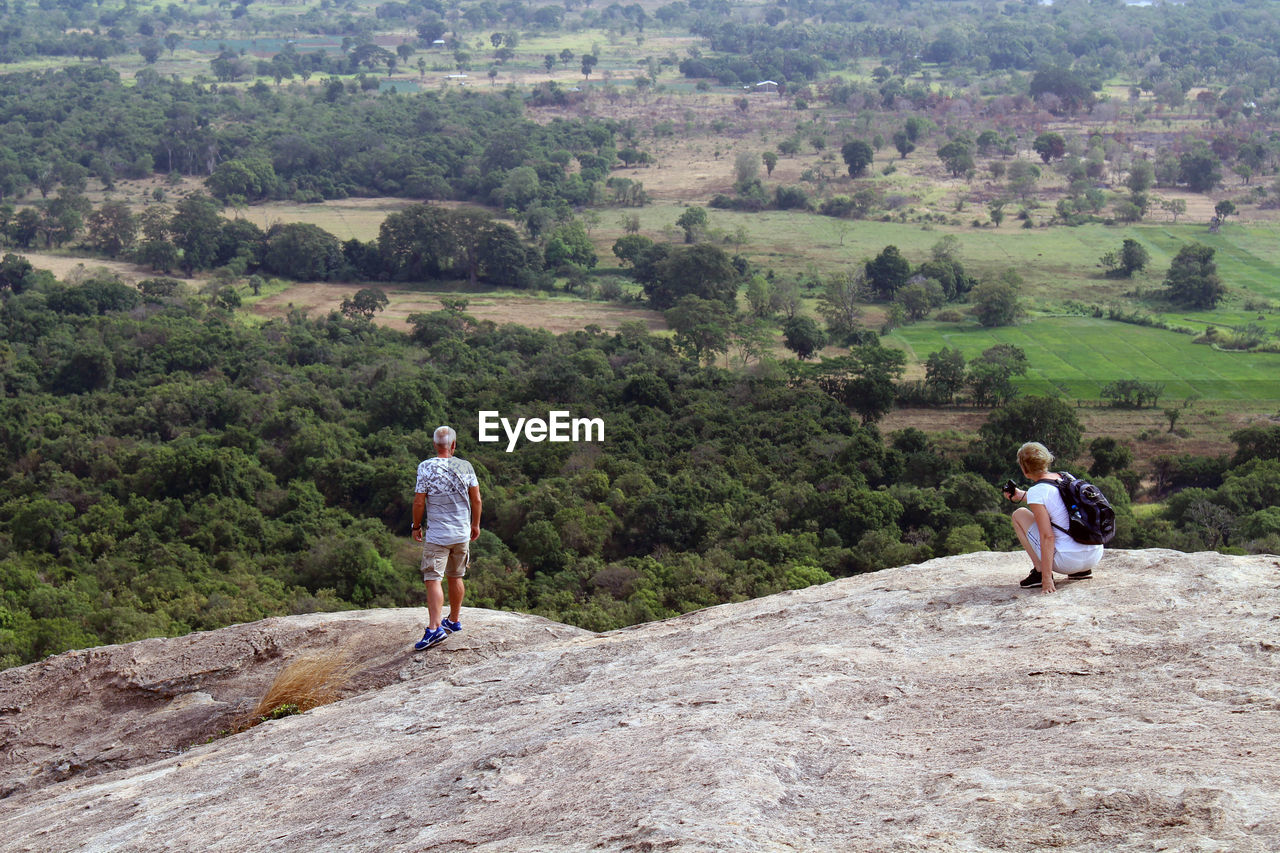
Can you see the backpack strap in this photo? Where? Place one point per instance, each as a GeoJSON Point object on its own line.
{"type": "Point", "coordinates": [1057, 484]}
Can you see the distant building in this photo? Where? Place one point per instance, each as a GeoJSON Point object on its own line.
{"type": "Point", "coordinates": [766, 86]}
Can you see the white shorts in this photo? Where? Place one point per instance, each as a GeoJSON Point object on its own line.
{"type": "Point", "coordinates": [1066, 562]}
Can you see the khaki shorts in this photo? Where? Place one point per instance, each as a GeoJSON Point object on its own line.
{"type": "Point", "coordinates": [445, 561]}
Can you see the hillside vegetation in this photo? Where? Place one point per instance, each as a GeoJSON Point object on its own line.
{"type": "Point", "coordinates": [169, 469]}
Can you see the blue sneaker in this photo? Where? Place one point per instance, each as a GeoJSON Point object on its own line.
{"type": "Point", "coordinates": [430, 638]}
{"type": "Point", "coordinates": [449, 626]}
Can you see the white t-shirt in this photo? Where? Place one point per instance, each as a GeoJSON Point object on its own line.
{"type": "Point", "coordinates": [1047, 495]}
{"type": "Point", "coordinates": [447, 520]}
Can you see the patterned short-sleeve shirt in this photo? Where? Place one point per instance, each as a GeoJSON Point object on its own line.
{"type": "Point", "coordinates": [445, 482]}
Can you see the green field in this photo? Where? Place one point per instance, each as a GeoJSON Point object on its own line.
{"type": "Point", "coordinates": [1077, 356]}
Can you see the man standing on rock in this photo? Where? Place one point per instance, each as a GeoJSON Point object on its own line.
{"type": "Point", "coordinates": [446, 520]}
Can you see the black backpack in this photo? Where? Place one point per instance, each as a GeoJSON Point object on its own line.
{"type": "Point", "coordinates": [1093, 521]}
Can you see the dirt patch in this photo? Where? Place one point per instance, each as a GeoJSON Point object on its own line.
{"type": "Point", "coordinates": [554, 315]}
{"type": "Point", "coordinates": [961, 420]}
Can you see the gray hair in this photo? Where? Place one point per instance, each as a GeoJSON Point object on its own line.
{"type": "Point", "coordinates": [444, 436]}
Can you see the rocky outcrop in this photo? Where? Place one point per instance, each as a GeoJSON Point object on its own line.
{"type": "Point", "coordinates": [87, 712]}
{"type": "Point", "coordinates": [931, 707]}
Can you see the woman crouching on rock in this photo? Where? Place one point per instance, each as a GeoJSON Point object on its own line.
{"type": "Point", "coordinates": [1036, 527]}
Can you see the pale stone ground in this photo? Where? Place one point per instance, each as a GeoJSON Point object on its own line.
{"type": "Point", "coordinates": [927, 708]}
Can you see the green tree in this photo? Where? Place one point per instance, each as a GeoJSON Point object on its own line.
{"type": "Point", "coordinates": [16, 273]}
{"type": "Point", "coordinates": [698, 270]}
{"type": "Point", "coordinates": [1109, 456]}
{"type": "Point", "coordinates": [760, 295]}
{"type": "Point", "coordinates": [1175, 207]}
{"type": "Point", "coordinates": [1200, 169]}
{"type": "Point", "coordinates": [945, 373]}
{"type": "Point", "coordinates": [1142, 176]}
{"type": "Point", "coordinates": [957, 157]}
{"type": "Point", "coordinates": [702, 327]}
{"type": "Point", "coordinates": [864, 379]}
{"type": "Point", "coordinates": [1071, 90]}
{"type": "Point", "coordinates": [1050, 146]}
{"type": "Point", "coordinates": [990, 377]}
{"type": "Point", "coordinates": [803, 337]}
{"type": "Point", "coordinates": [1048, 420]}
{"type": "Point", "coordinates": [887, 271]}
{"type": "Point", "coordinates": [1131, 258]}
{"type": "Point", "coordinates": [1022, 177]}
{"type": "Point", "coordinates": [918, 297]}
{"type": "Point", "coordinates": [628, 247]}
{"type": "Point", "coordinates": [64, 217]}
{"type": "Point", "coordinates": [365, 303]}
{"type": "Point", "coordinates": [302, 251]}
{"type": "Point", "coordinates": [903, 142]}
{"type": "Point", "coordinates": [25, 227]}
{"type": "Point", "coordinates": [196, 227]}
{"type": "Point", "coordinates": [149, 50]}
{"type": "Point", "coordinates": [1132, 393]}
{"type": "Point", "coordinates": [1252, 442]}
{"type": "Point", "coordinates": [840, 304]}
{"type": "Point", "coordinates": [501, 257]}
{"type": "Point", "coordinates": [770, 159]}
{"type": "Point", "coordinates": [251, 178]}
{"type": "Point", "coordinates": [857, 156]}
{"type": "Point", "coordinates": [1192, 280]}
{"type": "Point", "coordinates": [996, 300]}
{"type": "Point", "coordinates": [694, 222]}
{"type": "Point", "coordinates": [569, 244]}
{"type": "Point", "coordinates": [112, 228]}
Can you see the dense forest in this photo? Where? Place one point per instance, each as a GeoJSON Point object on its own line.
{"type": "Point", "coordinates": [58, 128]}
{"type": "Point", "coordinates": [973, 81]}
{"type": "Point", "coordinates": [168, 468]}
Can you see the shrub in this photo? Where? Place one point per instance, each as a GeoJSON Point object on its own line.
{"type": "Point", "coordinates": [308, 682]}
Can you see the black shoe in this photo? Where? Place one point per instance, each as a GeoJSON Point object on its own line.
{"type": "Point", "coordinates": [1079, 576]}
{"type": "Point", "coordinates": [1031, 580]}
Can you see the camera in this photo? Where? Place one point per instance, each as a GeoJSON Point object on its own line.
{"type": "Point", "coordinates": [1009, 488]}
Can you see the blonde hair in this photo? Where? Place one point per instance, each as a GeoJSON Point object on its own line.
{"type": "Point", "coordinates": [1034, 457]}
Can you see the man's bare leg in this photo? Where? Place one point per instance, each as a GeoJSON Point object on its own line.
{"type": "Point", "coordinates": [435, 602]}
{"type": "Point", "coordinates": [456, 592]}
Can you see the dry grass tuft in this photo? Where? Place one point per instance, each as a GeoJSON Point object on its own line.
{"type": "Point", "coordinates": [308, 682]}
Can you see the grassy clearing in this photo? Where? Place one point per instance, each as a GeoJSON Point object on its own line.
{"type": "Point", "coordinates": [357, 218]}
{"type": "Point", "coordinates": [1057, 264]}
{"type": "Point", "coordinates": [1076, 356]}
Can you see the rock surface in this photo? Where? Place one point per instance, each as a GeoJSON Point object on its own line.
{"type": "Point", "coordinates": [108, 708]}
{"type": "Point", "coordinates": [931, 707]}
